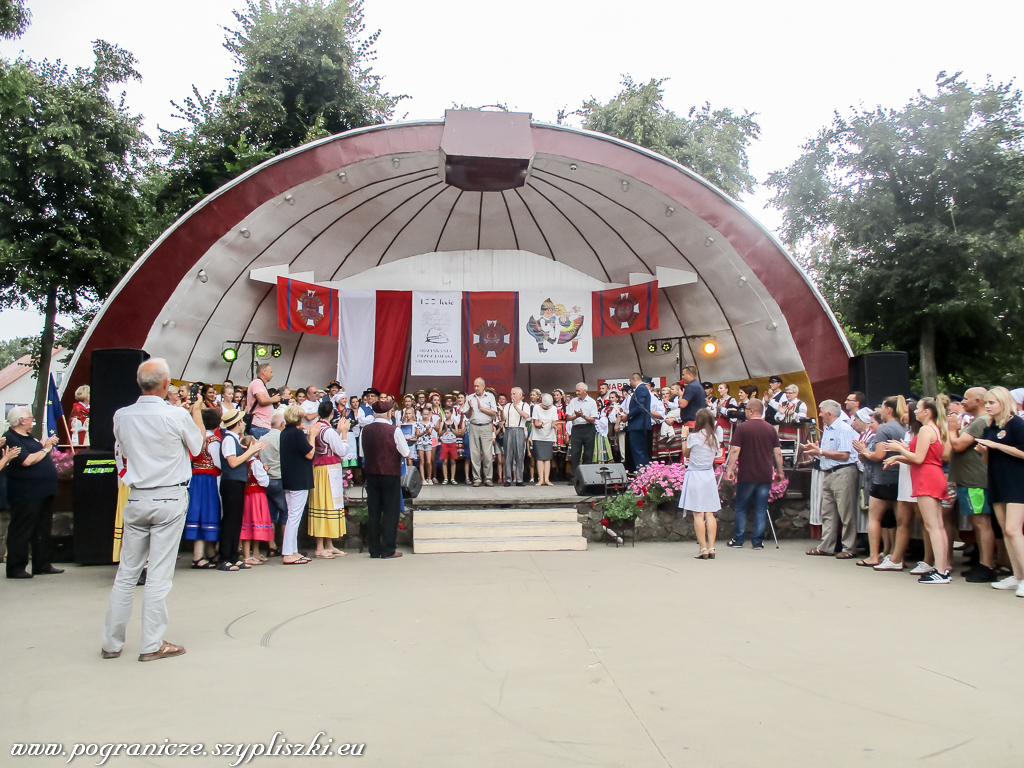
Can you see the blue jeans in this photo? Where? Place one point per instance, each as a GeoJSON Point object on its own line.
{"type": "Point", "coordinates": [276, 502]}
{"type": "Point", "coordinates": [258, 432]}
{"type": "Point", "coordinates": [744, 493]}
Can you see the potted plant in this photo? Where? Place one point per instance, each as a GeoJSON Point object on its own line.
{"type": "Point", "coordinates": [620, 513]}
{"type": "Point", "coordinates": [657, 482]}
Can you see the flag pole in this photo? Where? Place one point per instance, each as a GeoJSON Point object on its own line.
{"type": "Point", "coordinates": [71, 439]}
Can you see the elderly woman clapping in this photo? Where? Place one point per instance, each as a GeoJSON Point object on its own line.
{"type": "Point", "coordinates": [31, 488]}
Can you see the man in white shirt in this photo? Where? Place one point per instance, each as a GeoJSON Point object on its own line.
{"type": "Point", "coordinates": [515, 415]}
{"type": "Point", "coordinates": [581, 413]}
{"type": "Point", "coordinates": [155, 442]}
{"type": "Point", "coordinates": [480, 410]}
{"type": "Point", "coordinates": [838, 463]}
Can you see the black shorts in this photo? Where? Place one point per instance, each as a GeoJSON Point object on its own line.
{"type": "Point", "coordinates": [885, 492]}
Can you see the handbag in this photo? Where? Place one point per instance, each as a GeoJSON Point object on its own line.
{"type": "Point", "coordinates": [247, 418]}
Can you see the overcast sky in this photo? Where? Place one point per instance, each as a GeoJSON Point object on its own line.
{"type": "Point", "coordinates": [793, 62]}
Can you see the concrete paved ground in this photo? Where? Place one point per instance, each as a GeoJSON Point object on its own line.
{"type": "Point", "coordinates": [631, 657]}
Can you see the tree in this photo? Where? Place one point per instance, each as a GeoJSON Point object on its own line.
{"type": "Point", "coordinates": [14, 349]}
{"type": "Point", "coordinates": [14, 18]}
{"type": "Point", "coordinates": [713, 143]}
{"type": "Point", "coordinates": [68, 207]}
{"type": "Point", "coordinates": [911, 222]}
{"type": "Point", "coordinates": [303, 74]}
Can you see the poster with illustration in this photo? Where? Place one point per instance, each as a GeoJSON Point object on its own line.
{"type": "Point", "coordinates": [556, 327]}
{"type": "Point", "coordinates": [436, 334]}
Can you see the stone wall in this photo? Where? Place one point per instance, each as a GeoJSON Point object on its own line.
{"type": "Point", "coordinates": [791, 518]}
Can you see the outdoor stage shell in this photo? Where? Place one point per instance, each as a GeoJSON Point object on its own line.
{"type": "Point", "coordinates": [585, 210]}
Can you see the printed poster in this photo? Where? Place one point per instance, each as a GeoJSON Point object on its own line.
{"type": "Point", "coordinates": [436, 334]}
{"type": "Point", "coordinates": [556, 327]}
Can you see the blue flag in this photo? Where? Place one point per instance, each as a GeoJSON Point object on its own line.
{"type": "Point", "coordinates": [54, 411]}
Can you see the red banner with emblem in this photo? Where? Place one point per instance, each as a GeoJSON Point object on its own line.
{"type": "Point", "coordinates": [489, 338]}
{"type": "Point", "coordinates": [626, 310]}
{"type": "Point", "coordinates": [306, 308]}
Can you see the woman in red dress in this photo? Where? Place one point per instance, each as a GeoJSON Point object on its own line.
{"type": "Point", "coordinates": [924, 455]}
{"type": "Point", "coordinates": [80, 416]}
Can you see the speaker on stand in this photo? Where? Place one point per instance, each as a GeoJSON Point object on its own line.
{"type": "Point", "coordinates": [880, 375]}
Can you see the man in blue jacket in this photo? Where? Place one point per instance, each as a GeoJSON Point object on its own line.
{"type": "Point", "coordinates": [639, 421]}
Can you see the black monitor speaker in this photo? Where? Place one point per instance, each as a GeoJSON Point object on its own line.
{"type": "Point", "coordinates": [112, 385]}
{"type": "Point", "coordinates": [95, 507]}
{"type": "Point", "coordinates": [412, 483]}
{"type": "Point", "coordinates": [590, 479]}
{"type": "Point", "coordinates": [880, 375]}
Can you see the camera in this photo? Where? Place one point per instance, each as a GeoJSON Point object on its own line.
{"type": "Point", "coordinates": [193, 391]}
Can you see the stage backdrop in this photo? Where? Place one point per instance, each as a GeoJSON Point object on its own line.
{"type": "Point", "coordinates": [436, 334]}
{"type": "Point", "coordinates": [556, 327]}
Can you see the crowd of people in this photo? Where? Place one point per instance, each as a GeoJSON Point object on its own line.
{"type": "Point", "coordinates": [239, 468]}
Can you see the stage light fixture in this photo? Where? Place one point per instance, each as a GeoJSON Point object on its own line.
{"type": "Point", "coordinates": [710, 347]}
{"type": "Point", "coordinates": [666, 346]}
{"type": "Point", "coordinates": [276, 351]}
{"type": "Point", "coordinates": [261, 350]}
{"type": "Point", "coordinates": [651, 347]}
{"type": "Point", "coordinates": [230, 355]}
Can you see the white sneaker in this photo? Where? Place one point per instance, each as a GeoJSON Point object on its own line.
{"type": "Point", "coordinates": [1020, 590]}
{"type": "Point", "coordinates": [1008, 583]}
{"type": "Point", "coordinates": [921, 568]}
{"type": "Point", "coordinates": [888, 565]}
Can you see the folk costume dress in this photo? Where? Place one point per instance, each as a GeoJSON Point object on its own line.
{"type": "Point", "coordinates": [561, 439]}
{"type": "Point", "coordinates": [256, 525]}
{"type": "Point", "coordinates": [602, 445]}
{"type": "Point", "coordinates": [326, 517]}
{"type": "Point", "coordinates": [352, 457]}
{"type": "Point", "coordinates": [202, 521]}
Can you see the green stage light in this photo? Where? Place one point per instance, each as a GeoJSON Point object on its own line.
{"type": "Point", "coordinates": [230, 354]}
{"type": "Point", "coordinates": [275, 352]}
{"type": "Point", "coordinates": [666, 346]}
{"type": "Point", "coordinates": [651, 347]}
{"type": "Point", "coordinates": [261, 351]}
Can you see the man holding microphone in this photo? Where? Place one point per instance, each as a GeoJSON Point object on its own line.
{"type": "Point", "coordinates": [156, 442]}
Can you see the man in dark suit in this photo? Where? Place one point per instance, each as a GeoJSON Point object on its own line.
{"type": "Point", "coordinates": [639, 421]}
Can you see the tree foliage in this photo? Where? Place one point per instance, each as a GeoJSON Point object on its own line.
{"type": "Point", "coordinates": [303, 73]}
{"type": "Point", "coordinates": [69, 155]}
{"type": "Point", "coordinates": [911, 222]}
{"type": "Point", "coordinates": [14, 18]}
{"type": "Point", "coordinates": [711, 142]}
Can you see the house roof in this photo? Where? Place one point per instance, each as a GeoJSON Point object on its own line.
{"type": "Point", "coordinates": [19, 368]}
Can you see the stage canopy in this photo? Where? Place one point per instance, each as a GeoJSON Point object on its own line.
{"type": "Point", "coordinates": [480, 201]}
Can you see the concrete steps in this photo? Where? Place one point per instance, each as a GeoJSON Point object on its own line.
{"type": "Point", "coordinates": [496, 530]}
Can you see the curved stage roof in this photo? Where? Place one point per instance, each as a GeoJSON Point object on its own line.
{"type": "Point", "coordinates": [399, 207]}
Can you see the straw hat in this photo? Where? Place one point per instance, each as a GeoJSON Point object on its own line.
{"type": "Point", "coordinates": [231, 418]}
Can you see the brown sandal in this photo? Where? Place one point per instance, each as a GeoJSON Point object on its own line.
{"type": "Point", "coordinates": [167, 650]}
{"type": "Point", "coordinates": [819, 553]}
{"type": "Point", "coordinates": [846, 555]}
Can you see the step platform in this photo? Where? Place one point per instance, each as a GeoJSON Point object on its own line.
{"type": "Point", "coordinates": [496, 530]}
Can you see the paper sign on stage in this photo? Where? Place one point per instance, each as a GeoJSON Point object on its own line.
{"type": "Point", "coordinates": [436, 334]}
{"type": "Point", "coordinates": [555, 327]}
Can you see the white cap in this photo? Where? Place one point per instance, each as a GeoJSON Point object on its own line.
{"type": "Point", "coordinates": [1017, 395]}
{"type": "Point", "coordinates": [865, 414]}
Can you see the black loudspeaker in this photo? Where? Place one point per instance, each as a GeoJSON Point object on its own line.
{"type": "Point", "coordinates": [590, 478]}
{"type": "Point", "coordinates": [412, 483]}
{"type": "Point", "coordinates": [880, 375]}
{"type": "Point", "coordinates": [112, 385]}
{"type": "Point", "coordinates": [95, 507]}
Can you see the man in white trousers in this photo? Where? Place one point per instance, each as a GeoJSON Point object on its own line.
{"type": "Point", "coordinates": [156, 442]}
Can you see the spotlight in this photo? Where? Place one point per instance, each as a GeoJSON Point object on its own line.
{"type": "Point", "coordinates": [230, 355]}
{"type": "Point", "coordinates": [710, 348]}
{"type": "Point", "coordinates": [666, 346]}
{"type": "Point", "coordinates": [651, 347]}
{"type": "Point", "coordinates": [261, 350]}
{"type": "Point", "coordinates": [275, 352]}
